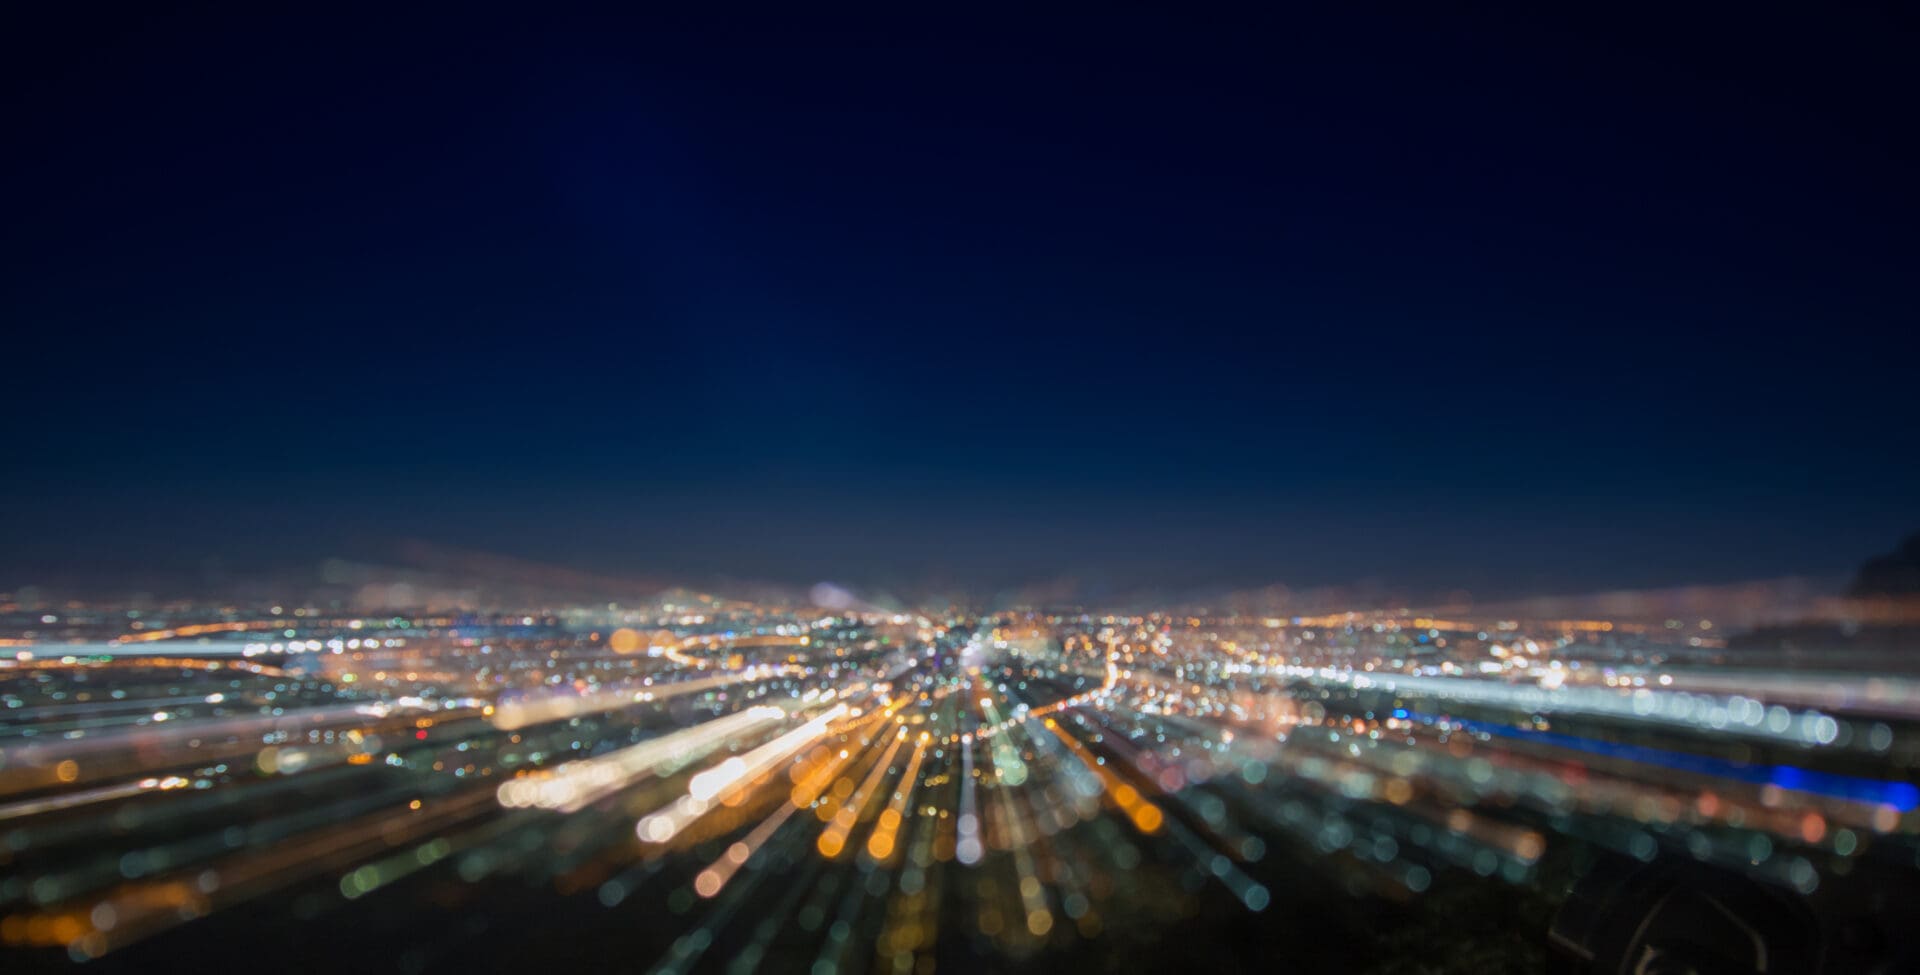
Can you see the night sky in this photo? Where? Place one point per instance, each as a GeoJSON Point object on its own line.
{"type": "Point", "coordinates": [1503, 303]}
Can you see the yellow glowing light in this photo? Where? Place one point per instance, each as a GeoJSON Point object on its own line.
{"type": "Point", "coordinates": [625, 640]}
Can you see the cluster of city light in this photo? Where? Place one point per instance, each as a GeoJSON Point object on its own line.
{"type": "Point", "coordinates": [574, 784]}
{"type": "Point", "coordinates": [1049, 778]}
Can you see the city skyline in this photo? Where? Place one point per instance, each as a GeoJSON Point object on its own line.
{"type": "Point", "coordinates": [1377, 489]}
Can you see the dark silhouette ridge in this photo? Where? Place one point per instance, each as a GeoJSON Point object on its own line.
{"type": "Point", "coordinates": [1896, 573]}
{"type": "Point", "coordinates": [1881, 628]}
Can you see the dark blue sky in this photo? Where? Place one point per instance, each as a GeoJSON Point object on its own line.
{"type": "Point", "coordinates": [1507, 303]}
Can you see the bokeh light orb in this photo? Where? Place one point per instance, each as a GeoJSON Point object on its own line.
{"type": "Point", "coordinates": [624, 640]}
